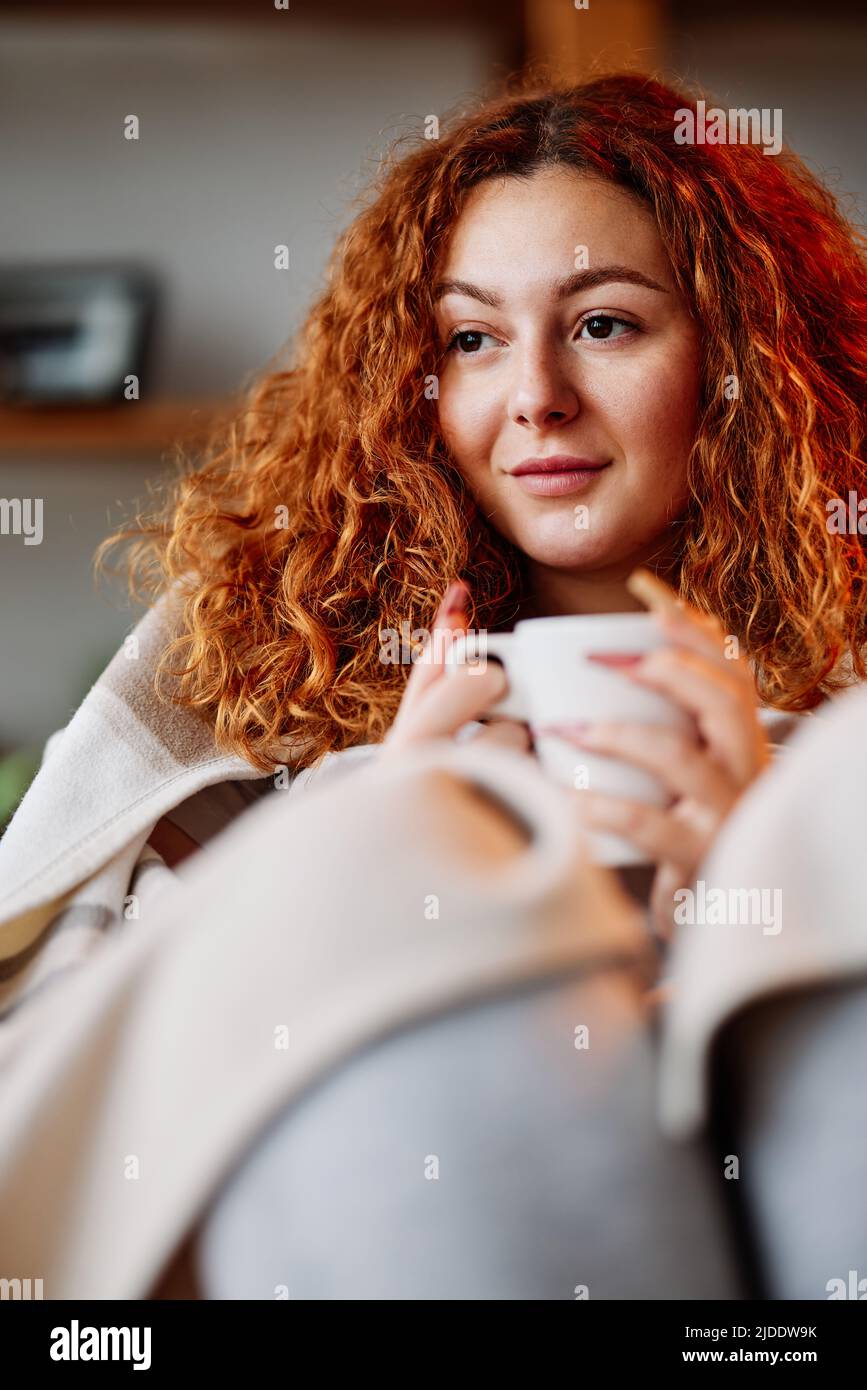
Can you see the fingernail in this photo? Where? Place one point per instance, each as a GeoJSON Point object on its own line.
{"type": "Point", "coordinates": [617, 659]}
{"type": "Point", "coordinates": [575, 730]}
{"type": "Point", "coordinates": [452, 600]}
{"type": "Point", "coordinates": [652, 590]}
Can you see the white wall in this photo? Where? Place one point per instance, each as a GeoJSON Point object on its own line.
{"type": "Point", "coordinates": [250, 136]}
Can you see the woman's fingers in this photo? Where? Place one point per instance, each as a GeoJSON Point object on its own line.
{"type": "Point", "coordinates": [439, 699]}
{"type": "Point", "coordinates": [668, 880]}
{"type": "Point", "coordinates": [508, 733]}
{"type": "Point", "coordinates": [465, 692]}
{"type": "Point", "coordinates": [427, 668]}
{"type": "Point", "coordinates": [686, 626]}
{"type": "Point", "coordinates": [700, 672]}
{"type": "Point", "coordinates": [722, 706]}
{"type": "Point", "coordinates": [659, 596]}
{"type": "Point", "coordinates": [676, 759]}
{"type": "Point", "coordinates": [703, 635]}
{"type": "Point", "coordinates": [662, 835]}
{"type": "Point", "coordinates": [449, 620]}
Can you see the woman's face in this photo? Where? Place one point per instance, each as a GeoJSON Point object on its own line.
{"type": "Point", "coordinates": [599, 363]}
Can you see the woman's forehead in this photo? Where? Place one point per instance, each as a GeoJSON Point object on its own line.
{"type": "Point", "coordinates": [558, 219]}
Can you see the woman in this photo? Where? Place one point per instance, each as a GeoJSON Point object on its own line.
{"type": "Point", "coordinates": [553, 276]}
{"type": "Point", "coordinates": [555, 281]}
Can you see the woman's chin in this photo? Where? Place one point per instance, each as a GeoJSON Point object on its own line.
{"type": "Point", "coordinates": [569, 552]}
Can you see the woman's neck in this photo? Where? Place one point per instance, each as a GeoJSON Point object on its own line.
{"type": "Point", "coordinates": [552, 591]}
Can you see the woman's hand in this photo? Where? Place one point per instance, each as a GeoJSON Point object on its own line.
{"type": "Point", "coordinates": [435, 704]}
{"type": "Point", "coordinates": [705, 778]}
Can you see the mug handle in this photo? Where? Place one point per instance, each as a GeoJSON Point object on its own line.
{"type": "Point", "coordinates": [465, 648]}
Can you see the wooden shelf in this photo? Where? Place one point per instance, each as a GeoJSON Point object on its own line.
{"type": "Point", "coordinates": [134, 427]}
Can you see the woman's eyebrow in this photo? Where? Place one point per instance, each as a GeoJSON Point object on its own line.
{"type": "Point", "coordinates": [561, 289]}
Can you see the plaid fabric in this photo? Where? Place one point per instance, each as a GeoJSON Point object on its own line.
{"type": "Point", "coordinates": [74, 861]}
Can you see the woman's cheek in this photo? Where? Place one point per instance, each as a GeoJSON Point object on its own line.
{"type": "Point", "coordinates": [465, 423]}
{"type": "Point", "coordinates": [652, 412]}
{"type": "Point", "coordinates": [674, 390]}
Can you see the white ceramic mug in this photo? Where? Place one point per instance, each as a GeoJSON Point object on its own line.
{"type": "Point", "coordinates": [552, 682]}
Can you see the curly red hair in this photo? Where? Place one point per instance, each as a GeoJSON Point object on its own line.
{"type": "Point", "coordinates": [330, 509]}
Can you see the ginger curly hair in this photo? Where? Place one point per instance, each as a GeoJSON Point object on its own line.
{"type": "Point", "coordinates": [330, 509]}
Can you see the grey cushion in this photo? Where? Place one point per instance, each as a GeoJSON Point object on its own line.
{"type": "Point", "coordinates": [552, 1174]}
{"type": "Point", "coordinates": [791, 1069]}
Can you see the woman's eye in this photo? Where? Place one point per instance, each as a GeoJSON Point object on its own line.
{"type": "Point", "coordinates": [469, 340]}
{"type": "Point", "coordinates": [603, 326]}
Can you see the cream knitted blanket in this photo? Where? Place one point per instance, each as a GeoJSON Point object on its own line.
{"type": "Point", "coordinates": [108, 1063]}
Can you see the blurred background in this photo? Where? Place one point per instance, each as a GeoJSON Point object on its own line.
{"type": "Point", "coordinates": [153, 156]}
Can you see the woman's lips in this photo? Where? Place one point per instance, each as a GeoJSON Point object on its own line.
{"type": "Point", "coordinates": [559, 483]}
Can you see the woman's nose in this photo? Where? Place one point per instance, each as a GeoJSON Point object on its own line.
{"type": "Point", "coordinates": [542, 390]}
